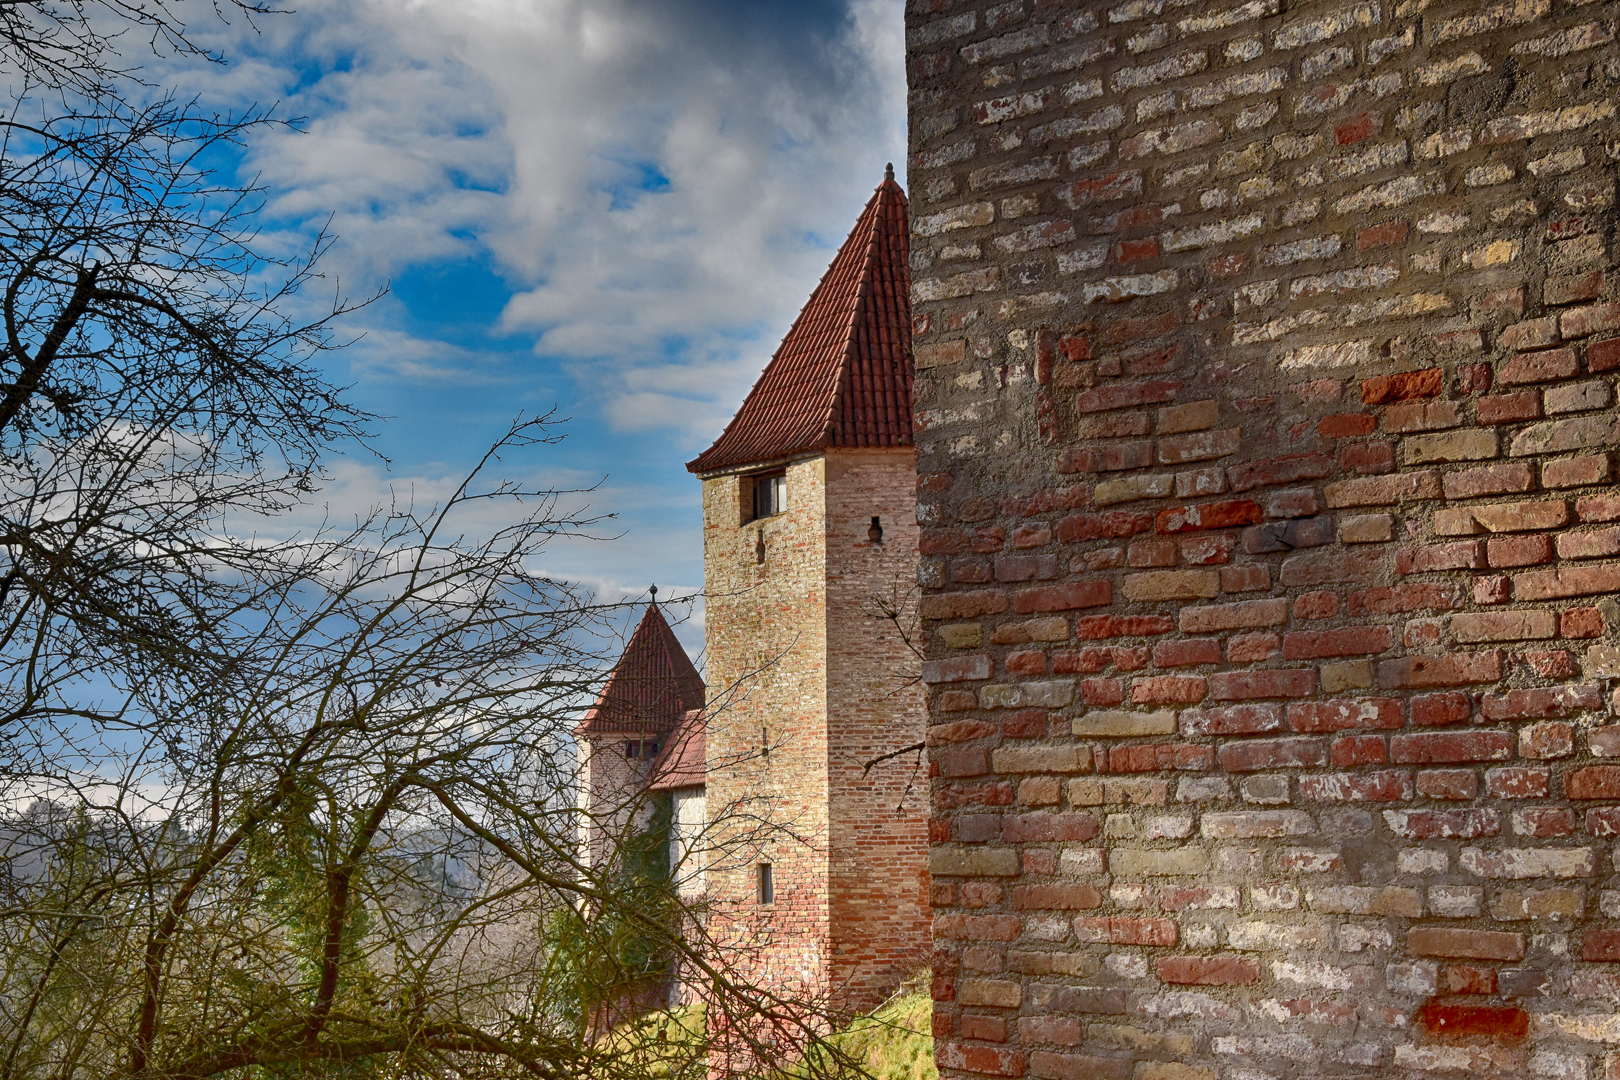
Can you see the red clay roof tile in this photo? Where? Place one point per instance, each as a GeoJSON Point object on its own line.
{"type": "Point", "coordinates": [842, 376]}
{"type": "Point", "coordinates": [653, 683]}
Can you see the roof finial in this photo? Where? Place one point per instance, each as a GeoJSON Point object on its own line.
{"type": "Point", "coordinates": [888, 171]}
{"type": "Point", "coordinates": [654, 590]}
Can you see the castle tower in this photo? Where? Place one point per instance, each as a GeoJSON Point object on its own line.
{"type": "Point", "coordinates": [810, 532]}
{"type": "Point", "coordinates": [628, 730]}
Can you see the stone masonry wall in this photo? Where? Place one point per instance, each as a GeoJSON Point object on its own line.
{"type": "Point", "coordinates": [878, 818]}
{"type": "Point", "coordinates": [1266, 463]}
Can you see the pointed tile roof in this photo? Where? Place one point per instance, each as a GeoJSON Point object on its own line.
{"type": "Point", "coordinates": [653, 683]}
{"type": "Point", "coordinates": [683, 759]}
{"type": "Point", "coordinates": [842, 376]}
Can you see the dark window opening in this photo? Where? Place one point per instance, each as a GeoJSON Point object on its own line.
{"type": "Point", "coordinates": [767, 886]}
{"type": "Point", "coordinates": [874, 532]}
{"type": "Point", "coordinates": [770, 494]}
{"type": "Point", "coordinates": [645, 749]}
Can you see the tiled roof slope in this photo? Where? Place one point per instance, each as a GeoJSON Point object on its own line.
{"type": "Point", "coordinates": [842, 376]}
{"type": "Point", "coordinates": [653, 683]}
{"type": "Point", "coordinates": [682, 762]}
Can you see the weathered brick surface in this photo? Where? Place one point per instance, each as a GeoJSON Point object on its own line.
{"type": "Point", "coordinates": [1287, 332]}
{"type": "Point", "coordinates": [820, 682]}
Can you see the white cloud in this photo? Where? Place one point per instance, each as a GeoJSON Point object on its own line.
{"type": "Point", "coordinates": [521, 130]}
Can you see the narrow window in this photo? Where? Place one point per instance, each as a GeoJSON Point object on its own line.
{"type": "Point", "coordinates": [649, 750]}
{"type": "Point", "coordinates": [632, 749]}
{"type": "Point", "coordinates": [767, 886]}
{"type": "Point", "coordinates": [770, 494]}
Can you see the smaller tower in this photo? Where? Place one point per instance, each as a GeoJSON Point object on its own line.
{"type": "Point", "coordinates": [628, 729]}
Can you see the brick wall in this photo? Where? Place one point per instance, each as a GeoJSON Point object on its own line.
{"type": "Point", "coordinates": [1267, 432]}
{"type": "Point", "coordinates": [797, 660]}
{"type": "Point", "coordinates": [878, 818]}
{"type": "Point", "coordinates": [765, 649]}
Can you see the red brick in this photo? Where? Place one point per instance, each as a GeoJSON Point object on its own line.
{"type": "Point", "coordinates": [1462, 555]}
{"type": "Point", "coordinates": [1456, 669]}
{"type": "Point", "coordinates": [1586, 622]}
{"type": "Point", "coordinates": [1488, 480]}
{"type": "Point", "coordinates": [1232, 720]}
{"type": "Point", "coordinates": [1111, 458]}
{"type": "Point", "coordinates": [1567, 581]}
{"type": "Point", "coordinates": [1598, 507]}
{"type": "Point", "coordinates": [1517, 783]}
{"type": "Point", "coordinates": [1466, 824]}
{"type": "Point", "coordinates": [1067, 597]}
{"type": "Point", "coordinates": [1127, 251]}
{"type": "Point", "coordinates": [1187, 653]}
{"type": "Point", "coordinates": [1603, 355]}
{"type": "Point", "coordinates": [1078, 528]}
{"type": "Point", "coordinates": [1383, 234]}
{"type": "Point", "coordinates": [1055, 896]}
{"type": "Point", "coordinates": [1493, 589]}
{"type": "Point", "coordinates": [1510, 551]}
{"type": "Point", "coordinates": [1403, 386]}
{"type": "Point", "coordinates": [1125, 395]}
{"type": "Point", "coordinates": [1102, 691]}
{"type": "Point", "coordinates": [1474, 1020]}
{"type": "Point", "coordinates": [1252, 648]}
{"type": "Point", "coordinates": [986, 1028]}
{"type": "Point", "coordinates": [1125, 930]}
{"type": "Point", "coordinates": [1592, 319]}
{"type": "Point", "coordinates": [1098, 627]}
{"type": "Point", "coordinates": [1550, 663]}
{"type": "Point", "coordinates": [1399, 599]}
{"type": "Point", "coordinates": [1531, 334]}
{"type": "Point", "coordinates": [1576, 471]}
{"type": "Point", "coordinates": [1220, 515]}
{"type": "Point", "coordinates": [1595, 782]}
{"type": "Point", "coordinates": [1150, 553]}
{"type": "Point", "coordinates": [1347, 425]}
{"type": "Point", "coordinates": [1206, 550]}
{"type": "Point", "coordinates": [1573, 288]}
{"type": "Point", "coordinates": [1159, 757]}
{"type": "Point", "coordinates": [1357, 787]}
{"type": "Point", "coordinates": [1466, 979]}
{"type": "Point", "coordinates": [1209, 970]}
{"type": "Point", "coordinates": [1589, 544]}
{"type": "Point", "coordinates": [1245, 685]}
{"type": "Point", "coordinates": [1048, 1066]}
{"type": "Point", "coordinates": [1545, 822]}
{"type": "Point", "coordinates": [990, 1060]}
{"type": "Point", "coordinates": [1120, 331]}
{"type": "Point", "coordinates": [1258, 754]}
{"type": "Point", "coordinates": [1046, 827]}
{"type": "Point", "coordinates": [1353, 750]}
{"type": "Point", "coordinates": [1364, 458]}
{"type": "Point", "coordinates": [1450, 746]}
{"type": "Point", "coordinates": [1508, 408]}
{"type": "Point", "coordinates": [1601, 946]}
{"type": "Point", "coordinates": [1434, 710]}
{"type": "Point", "coordinates": [1540, 702]}
{"type": "Point", "coordinates": [1024, 662]}
{"type": "Point", "coordinates": [1448, 783]}
{"type": "Point", "coordinates": [1604, 821]}
{"type": "Point", "coordinates": [1534, 367]}
{"type": "Point", "coordinates": [1168, 690]}
{"type": "Point", "coordinates": [964, 605]}
{"type": "Point", "coordinates": [1278, 470]}
{"type": "Point", "coordinates": [1465, 944]}
{"type": "Point", "coordinates": [1356, 128]}
{"type": "Point", "coordinates": [1316, 605]}
{"type": "Point", "coordinates": [1344, 641]}
{"type": "Point", "coordinates": [1313, 717]}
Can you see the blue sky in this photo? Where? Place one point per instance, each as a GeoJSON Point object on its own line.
{"type": "Point", "coordinates": [613, 208]}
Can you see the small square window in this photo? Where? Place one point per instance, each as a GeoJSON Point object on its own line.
{"type": "Point", "coordinates": [770, 494]}
{"type": "Point", "coordinates": [767, 885]}
{"type": "Point", "coordinates": [649, 749]}
{"type": "Point", "coordinates": [632, 749]}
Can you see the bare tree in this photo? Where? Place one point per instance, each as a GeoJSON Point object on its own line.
{"type": "Point", "coordinates": [155, 376]}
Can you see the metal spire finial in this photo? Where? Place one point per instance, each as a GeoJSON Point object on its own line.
{"type": "Point", "coordinates": [888, 171]}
